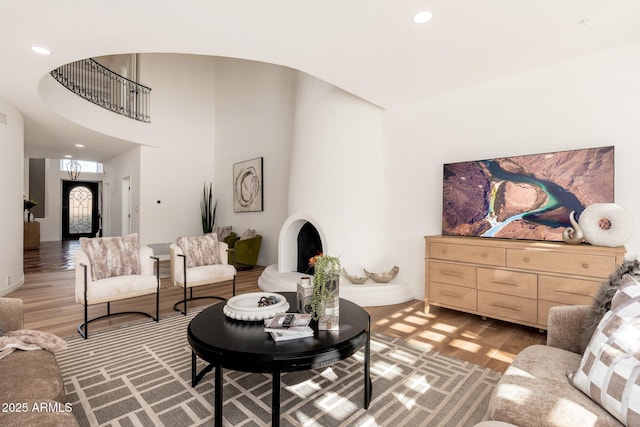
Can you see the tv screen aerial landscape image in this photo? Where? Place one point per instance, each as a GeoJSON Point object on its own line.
{"type": "Point", "coordinates": [525, 197]}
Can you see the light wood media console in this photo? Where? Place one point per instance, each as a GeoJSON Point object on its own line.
{"type": "Point", "coordinates": [513, 280]}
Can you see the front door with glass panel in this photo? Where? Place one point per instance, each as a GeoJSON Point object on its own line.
{"type": "Point", "coordinates": [80, 213]}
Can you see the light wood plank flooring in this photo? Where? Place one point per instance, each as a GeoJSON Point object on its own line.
{"type": "Point", "coordinates": [48, 294]}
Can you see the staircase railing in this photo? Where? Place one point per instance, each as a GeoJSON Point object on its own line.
{"type": "Point", "coordinates": [98, 84]}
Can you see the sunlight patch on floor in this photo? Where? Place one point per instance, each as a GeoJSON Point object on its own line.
{"type": "Point", "coordinates": [408, 402]}
{"type": "Point", "coordinates": [470, 335]}
{"type": "Point", "coordinates": [386, 370]}
{"type": "Point", "coordinates": [444, 327]}
{"type": "Point", "coordinates": [383, 322]}
{"type": "Point", "coordinates": [416, 320]}
{"type": "Point", "coordinates": [465, 345]}
{"type": "Point", "coordinates": [403, 356]}
{"type": "Point", "coordinates": [401, 327]}
{"type": "Point", "coordinates": [378, 346]}
{"type": "Point", "coordinates": [304, 389]}
{"type": "Point", "coordinates": [424, 346]}
{"type": "Point", "coordinates": [432, 336]}
{"type": "Point", "coordinates": [418, 383]}
{"type": "Point", "coordinates": [502, 356]}
{"type": "Point", "coordinates": [329, 374]}
{"type": "Point", "coordinates": [338, 406]}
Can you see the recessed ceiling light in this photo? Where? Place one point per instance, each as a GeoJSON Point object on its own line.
{"type": "Point", "coordinates": [80, 145]}
{"type": "Point", "coordinates": [41, 50]}
{"type": "Point", "coordinates": [68, 156]}
{"type": "Point", "coordinates": [422, 17]}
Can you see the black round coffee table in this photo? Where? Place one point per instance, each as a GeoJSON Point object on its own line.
{"type": "Point", "coordinates": [244, 346]}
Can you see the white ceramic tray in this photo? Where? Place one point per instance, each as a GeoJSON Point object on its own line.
{"type": "Point", "coordinates": [245, 306]}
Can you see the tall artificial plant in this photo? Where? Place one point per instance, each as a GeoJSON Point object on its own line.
{"type": "Point", "coordinates": [208, 208]}
{"type": "Point", "coordinates": [325, 279]}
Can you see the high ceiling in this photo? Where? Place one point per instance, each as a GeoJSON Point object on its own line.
{"type": "Point", "coordinates": [370, 48]}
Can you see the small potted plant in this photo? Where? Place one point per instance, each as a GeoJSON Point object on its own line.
{"type": "Point", "coordinates": [326, 284]}
{"type": "Point", "coordinates": [28, 205]}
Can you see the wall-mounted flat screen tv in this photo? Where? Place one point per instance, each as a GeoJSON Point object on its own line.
{"type": "Point", "coordinates": [525, 197]}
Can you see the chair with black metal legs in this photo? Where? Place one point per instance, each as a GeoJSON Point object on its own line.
{"type": "Point", "coordinates": [110, 269]}
{"type": "Point", "coordinates": [199, 261]}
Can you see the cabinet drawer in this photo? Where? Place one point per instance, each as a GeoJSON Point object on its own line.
{"type": "Point", "coordinates": [484, 255]}
{"type": "Point", "coordinates": [508, 282]}
{"type": "Point", "coordinates": [566, 290]}
{"type": "Point", "coordinates": [453, 274]}
{"type": "Point", "coordinates": [511, 307]}
{"type": "Point", "coordinates": [454, 296]}
{"type": "Point", "coordinates": [566, 263]}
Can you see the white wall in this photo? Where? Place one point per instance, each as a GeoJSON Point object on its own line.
{"type": "Point", "coordinates": [126, 165]}
{"type": "Point", "coordinates": [183, 155]}
{"type": "Point", "coordinates": [11, 208]}
{"type": "Point", "coordinates": [338, 173]}
{"type": "Point", "coordinates": [254, 118]}
{"type": "Point", "coordinates": [589, 102]}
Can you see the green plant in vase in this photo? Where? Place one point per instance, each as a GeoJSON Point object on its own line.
{"type": "Point", "coordinates": [326, 277]}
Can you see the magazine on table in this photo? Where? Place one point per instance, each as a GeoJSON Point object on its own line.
{"type": "Point", "coordinates": [286, 335]}
{"type": "Point", "coordinates": [288, 326]}
{"type": "Point", "coordinates": [287, 322]}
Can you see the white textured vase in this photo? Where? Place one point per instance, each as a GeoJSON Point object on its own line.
{"type": "Point", "coordinates": [606, 224]}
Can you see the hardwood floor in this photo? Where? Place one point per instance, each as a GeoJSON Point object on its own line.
{"type": "Point", "coordinates": [48, 295]}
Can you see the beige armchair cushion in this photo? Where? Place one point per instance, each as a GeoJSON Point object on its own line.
{"type": "Point", "coordinates": [112, 256]}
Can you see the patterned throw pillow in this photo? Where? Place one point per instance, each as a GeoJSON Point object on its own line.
{"type": "Point", "coordinates": [249, 233]}
{"type": "Point", "coordinates": [222, 232]}
{"type": "Point", "coordinates": [200, 250]}
{"type": "Point", "coordinates": [609, 372]}
{"type": "Point", "coordinates": [112, 256]}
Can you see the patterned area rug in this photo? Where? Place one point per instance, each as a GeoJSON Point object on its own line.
{"type": "Point", "coordinates": [139, 375]}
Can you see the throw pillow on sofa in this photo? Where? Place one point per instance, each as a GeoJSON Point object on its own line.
{"type": "Point", "coordinates": [200, 250]}
{"type": "Point", "coordinates": [609, 372]}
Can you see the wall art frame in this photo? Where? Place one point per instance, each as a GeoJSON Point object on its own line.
{"type": "Point", "coordinates": [248, 186]}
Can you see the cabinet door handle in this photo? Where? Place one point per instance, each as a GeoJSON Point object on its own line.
{"type": "Point", "coordinates": [497, 282]}
{"type": "Point", "coordinates": [451, 294]}
{"type": "Point", "coordinates": [560, 291]}
{"type": "Point", "coordinates": [508, 307]}
{"type": "Point", "coordinates": [450, 273]}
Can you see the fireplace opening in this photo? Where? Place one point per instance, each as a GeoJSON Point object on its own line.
{"type": "Point", "coordinates": [309, 245]}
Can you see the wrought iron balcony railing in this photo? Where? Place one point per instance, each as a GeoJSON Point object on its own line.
{"type": "Point", "coordinates": [103, 87]}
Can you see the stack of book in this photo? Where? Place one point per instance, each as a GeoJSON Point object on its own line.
{"type": "Point", "coordinates": [288, 326]}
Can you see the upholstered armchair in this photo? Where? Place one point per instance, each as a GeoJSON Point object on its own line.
{"type": "Point", "coordinates": [246, 251]}
{"type": "Point", "coordinates": [199, 261]}
{"type": "Point", "coordinates": [111, 269]}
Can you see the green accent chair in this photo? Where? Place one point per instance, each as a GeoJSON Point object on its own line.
{"type": "Point", "coordinates": [246, 252]}
{"type": "Point", "coordinates": [231, 239]}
